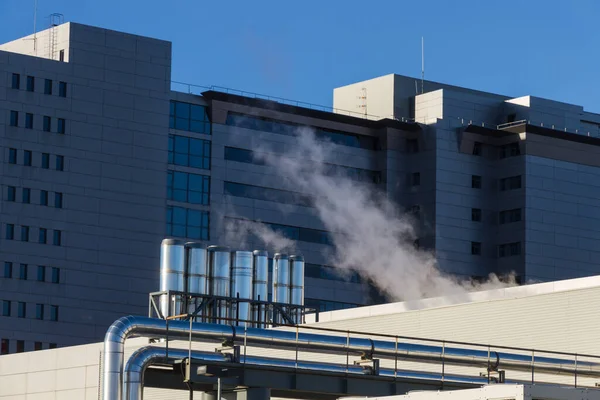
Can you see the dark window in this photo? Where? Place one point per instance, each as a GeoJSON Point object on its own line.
{"type": "Point", "coordinates": [27, 158]}
{"type": "Point", "coordinates": [47, 123]}
{"type": "Point", "coordinates": [476, 248]}
{"type": "Point", "coordinates": [62, 89]}
{"type": "Point", "coordinates": [188, 188]}
{"type": "Point", "coordinates": [510, 150]}
{"type": "Point", "coordinates": [21, 309]}
{"type": "Point", "coordinates": [43, 197]}
{"type": "Point", "coordinates": [24, 233]}
{"type": "Point", "coordinates": [14, 118]}
{"type": "Point", "coordinates": [11, 193]}
{"type": "Point", "coordinates": [53, 313]}
{"type": "Point", "coordinates": [43, 236]}
{"type": "Point", "coordinates": [477, 146]}
{"type": "Point", "coordinates": [415, 179]}
{"type": "Point", "coordinates": [511, 117]}
{"type": "Point", "coordinates": [290, 232]}
{"type": "Point", "coordinates": [242, 155]}
{"type": "Point", "coordinates": [189, 117]}
{"type": "Point", "coordinates": [183, 222]}
{"type": "Point", "coordinates": [60, 163]}
{"type": "Point", "coordinates": [16, 81]}
{"type": "Point", "coordinates": [20, 346]}
{"type": "Point", "coordinates": [476, 214]}
{"type": "Point", "coordinates": [55, 275]}
{"type": "Point", "coordinates": [61, 127]}
{"type": "Point", "coordinates": [29, 120]}
{"type": "Point", "coordinates": [12, 156]}
{"type": "Point", "coordinates": [52, 345]}
{"type": "Point", "coordinates": [57, 240]}
{"type": "Point", "coordinates": [510, 183]}
{"type": "Point", "coordinates": [26, 195]}
{"type": "Point", "coordinates": [37, 346]}
{"type": "Point", "coordinates": [476, 182]}
{"type": "Point", "coordinates": [266, 194]}
{"type": "Point", "coordinates": [8, 269]}
{"type": "Point", "coordinates": [4, 346]}
{"type": "Point", "coordinates": [23, 272]}
{"type": "Point", "coordinates": [30, 83]}
{"type": "Point", "coordinates": [48, 86]}
{"type": "Point", "coordinates": [41, 273]}
{"type": "Point", "coordinates": [61, 55]}
{"type": "Point", "coordinates": [58, 200]}
{"type": "Point", "coordinates": [415, 210]}
{"type": "Point", "coordinates": [6, 308]}
{"type": "Point", "coordinates": [509, 216]}
{"type": "Point", "coordinates": [509, 249]}
{"type": "Point", "coordinates": [329, 273]}
{"type": "Point", "coordinates": [189, 152]}
{"type": "Point", "coordinates": [45, 161]}
{"type": "Point", "coordinates": [39, 311]}
{"type": "Point", "coordinates": [10, 231]}
{"type": "Point", "coordinates": [412, 145]}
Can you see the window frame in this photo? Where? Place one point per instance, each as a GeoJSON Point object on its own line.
{"type": "Point", "coordinates": [25, 231]}
{"type": "Point", "coordinates": [43, 236]}
{"type": "Point", "coordinates": [14, 118]}
{"type": "Point", "coordinates": [10, 232]}
{"type": "Point", "coordinates": [21, 309]}
{"type": "Point", "coordinates": [28, 120]}
{"type": "Point", "coordinates": [41, 273]}
{"type": "Point", "coordinates": [11, 194]}
{"type": "Point", "coordinates": [48, 86]}
{"type": "Point", "coordinates": [12, 156]}
{"type": "Point", "coordinates": [59, 163]}
{"type": "Point", "coordinates": [61, 126]}
{"type": "Point", "coordinates": [16, 81]}
{"type": "Point", "coordinates": [62, 89]}
{"type": "Point", "coordinates": [27, 158]}
{"type": "Point", "coordinates": [57, 237]}
{"type": "Point", "coordinates": [30, 83]}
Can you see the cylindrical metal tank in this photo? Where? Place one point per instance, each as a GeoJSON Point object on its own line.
{"type": "Point", "coordinates": [196, 274]}
{"type": "Point", "coordinates": [281, 283]}
{"type": "Point", "coordinates": [172, 268]}
{"type": "Point", "coordinates": [260, 287]}
{"type": "Point", "coordinates": [297, 286]}
{"type": "Point", "coordinates": [241, 286]}
{"type": "Point", "coordinates": [220, 280]}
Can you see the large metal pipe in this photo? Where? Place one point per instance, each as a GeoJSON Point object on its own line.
{"type": "Point", "coordinates": [172, 270]}
{"type": "Point", "coordinates": [124, 327]}
{"type": "Point", "coordinates": [196, 273]}
{"type": "Point", "coordinates": [297, 286]}
{"type": "Point", "coordinates": [220, 279]}
{"type": "Point", "coordinates": [241, 285]}
{"type": "Point", "coordinates": [281, 283]}
{"type": "Point", "coordinates": [260, 287]}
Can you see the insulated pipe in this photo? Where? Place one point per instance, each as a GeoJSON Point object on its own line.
{"type": "Point", "coordinates": [281, 283]}
{"type": "Point", "coordinates": [297, 286]}
{"type": "Point", "coordinates": [260, 287]}
{"type": "Point", "coordinates": [196, 273]}
{"type": "Point", "coordinates": [172, 268]}
{"type": "Point", "coordinates": [241, 286]}
{"type": "Point", "coordinates": [219, 264]}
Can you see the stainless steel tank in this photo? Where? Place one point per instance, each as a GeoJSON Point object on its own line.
{"type": "Point", "coordinates": [172, 268]}
{"type": "Point", "coordinates": [297, 286]}
{"type": "Point", "coordinates": [241, 286]}
{"type": "Point", "coordinates": [196, 274]}
{"type": "Point", "coordinates": [260, 287]}
{"type": "Point", "coordinates": [220, 279]}
{"type": "Point", "coordinates": [281, 283]}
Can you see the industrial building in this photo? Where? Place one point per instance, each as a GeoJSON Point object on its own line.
{"type": "Point", "coordinates": [103, 156]}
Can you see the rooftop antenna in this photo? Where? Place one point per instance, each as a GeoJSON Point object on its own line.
{"type": "Point", "coordinates": [422, 64]}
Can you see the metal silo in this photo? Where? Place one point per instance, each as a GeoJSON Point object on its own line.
{"type": "Point", "coordinates": [297, 286]}
{"type": "Point", "coordinates": [260, 286]}
{"type": "Point", "coordinates": [196, 273]}
{"type": "Point", "coordinates": [281, 282]}
{"type": "Point", "coordinates": [241, 285]}
{"type": "Point", "coordinates": [220, 279]}
{"type": "Point", "coordinates": [172, 267]}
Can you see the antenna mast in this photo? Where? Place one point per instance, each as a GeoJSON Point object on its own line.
{"type": "Point", "coordinates": [422, 64]}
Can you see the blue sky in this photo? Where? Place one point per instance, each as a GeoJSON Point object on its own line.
{"type": "Point", "coordinates": [303, 49]}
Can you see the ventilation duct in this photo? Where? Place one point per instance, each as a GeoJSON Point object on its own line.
{"type": "Point", "coordinates": [297, 286]}
{"type": "Point", "coordinates": [260, 287]}
{"type": "Point", "coordinates": [241, 285]}
{"type": "Point", "coordinates": [171, 275]}
{"type": "Point", "coordinates": [196, 274]}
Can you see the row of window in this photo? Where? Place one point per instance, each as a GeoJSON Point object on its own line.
{"type": "Point", "coordinates": [290, 232]}
{"type": "Point", "coordinates": [22, 310]}
{"type": "Point", "coordinates": [189, 117]}
{"type": "Point", "coordinates": [290, 129]}
{"type": "Point", "coordinates": [30, 85]}
{"type": "Point", "coordinates": [508, 150]}
{"type": "Point", "coordinates": [188, 188]}
{"type": "Point", "coordinates": [504, 250]}
{"type": "Point", "coordinates": [11, 195]}
{"type": "Point", "coordinates": [356, 174]}
{"type": "Point", "coordinates": [27, 159]}
{"type": "Point", "coordinates": [504, 217]}
{"type": "Point", "coordinates": [5, 346]}
{"type": "Point", "coordinates": [510, 183]}
{"type": "Point", "coordinates": [187, 223]}
{"type": "Point", "coordinates": [327, 305]}
{"type": "Point", "coordinates": [42, 234]}
{"type": "Point", "coordinates": [24, 272]}
{"type": "Point", "coordinates": [189, 152]}
{"type": "Point", "coordinates": [61, 123]}
{"type": "Point", "coordinates": [267, 194]}
{"type": "Point", "coordinates": [330, 273]}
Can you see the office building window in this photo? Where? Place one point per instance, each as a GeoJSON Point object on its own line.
{"type": "Point", "coordinates": [61, 126]}
{"type": "Point", "coordinates": [21, 309]}
{"type": "Point", "coordinates": [41, 273]}
{"type": "Point", "coordinates": [62, 89]}
{"type": "Point", "coordinates": [412, 145]}
{"type": "Point", "coordinates": [11, 192]}
{"type": "Point", "coordinates": [39, 311]}
{"type": "Point", "coordinates": [58, 200]}
{"type": "Point", "coordinates": [27, 158]}
{"type": "Point", "coordinates": [189, 152]}
{"type": "Point", "coordinates": [7, 269]}
{"type": "Point", "coordinates": [16, 81]}
{"type": "Point", "coordinates": [23, 272]}
{"type": "Point", "coordinates": [30, 83]}
{"type": "Point", "coordinates": [48, 86]}
{"type": "Point", "coordinates": [12, 156]}
{"type": "Point", "coordinates": [189, 117]}
{"type": "Point", "coordinates": [510, 183]}
{"type": "Point", "coordinates": [20, 346]}
{"type": "Point", "coordinates": [290, 232]}
{"type": "Point", "coordinates": [476, 248]}
{"type": "Point", "coordinates": [509, 249]}
{"type": "Point", "coordinates": [26, 195]}
{"type": "Point", "coordinates": [57, 239]}
{"type": "Point", "coordinates": [415, 179]}
{"type": "Point", "coordinates": [37, 346]}
{"type": "Point", "coordinates": [477, 148]}
{"type": "Point", "coordinates": [55, 278]}
{"type": "Point", "coordinates": [53, 313]}
{"type": "Point", "coordinates": [476, 214]}
{"type": "Point", "coordinates": [4, 346]}
{"type": "Point", "coordinates": [6, 306]}
{"type": "Point", "coordinates": [510, 150]}
{"type": "Point", "coordinates": [60, 163]}
{"type": "Point", "coordinates": [45, 164]}
{"type": "Point", "coordinates": [52, 345]}
{"type": "Point", "coordinates": [188, 188]}
{"type": "Point", "coordinates": [266, 194]}
{"type": "Point", "coordinates": [183, 222]}
{"type": "Point", "coordinates": [476, 182]}
{"type": "Point", "coordinates": [29, 120]}
{"type": "Point", "coordinates": [43, 236]}
{"type": "Point", "coordinates": [47, 123]}
{"type": "Point", "coordinates": [10, 231]}
{"type": "Point", "coordinates": [61, 56]}
{"type": "Point", "coordinates": [509, 216]}
{"type": "Point", "coordinates": [43, 197]}
{"type": "Point", "coordinates": [329, 273]}
{"type": "Point", "coordinates": [24, 233]}
{"type": "Point", "coordinates": [14, 118]}
{"type": "Point", "coordinates": [327, 305]}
